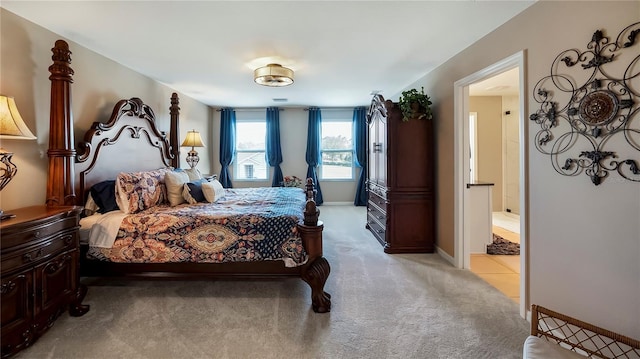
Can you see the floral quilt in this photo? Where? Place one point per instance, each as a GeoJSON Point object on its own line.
{"type": "Point", "coordinates": [250, 224]}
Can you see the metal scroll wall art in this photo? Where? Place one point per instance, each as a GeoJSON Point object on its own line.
{"type": "Point", "coordinates": [594, 108]}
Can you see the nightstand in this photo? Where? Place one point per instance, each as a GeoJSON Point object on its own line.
{"type": "Point", "coordinates": [40, 273]}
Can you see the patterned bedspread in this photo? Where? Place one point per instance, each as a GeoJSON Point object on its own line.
{"type": "Point", "coordinates": [251, 224]}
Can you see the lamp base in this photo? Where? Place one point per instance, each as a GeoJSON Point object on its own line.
{"type": "Point", "coordinates": [4, 216]}
{"type": "Point", "coordinates": [192, 158]}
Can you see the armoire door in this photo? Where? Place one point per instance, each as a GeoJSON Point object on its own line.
{"type": "Point", "coordinates": [382, 151]}
{"type": "Point", "coordinates": [378, 152]}
{"type": "Point", "coordinates": [372, 152]}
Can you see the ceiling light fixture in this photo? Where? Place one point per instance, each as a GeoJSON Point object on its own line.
{"type": "Point", "coordinates": [273, 75]}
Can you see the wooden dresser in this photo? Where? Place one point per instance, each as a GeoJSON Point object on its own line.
{"type": "Point", "coordinates": [401, 206]}
{"type": "Point", "coordinates": [40, 277]}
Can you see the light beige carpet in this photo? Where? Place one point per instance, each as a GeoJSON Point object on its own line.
{"type": "Point", "coordinates": [384, 306]}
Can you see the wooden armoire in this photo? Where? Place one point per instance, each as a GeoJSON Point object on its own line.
{"type": "Point", "coordinates": [400, 160]}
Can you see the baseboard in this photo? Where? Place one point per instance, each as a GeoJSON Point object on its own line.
{"type": "Point", "coordinates": [337, 204]}
{"type": "Point", "coordinates": [446, 256]}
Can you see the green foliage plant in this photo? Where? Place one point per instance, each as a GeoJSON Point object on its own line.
{"type": "Point", "coordinates": [415, 105]}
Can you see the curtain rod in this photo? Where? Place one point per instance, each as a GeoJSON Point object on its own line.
{"type": "Point", "coordinates": [282, 109]}
{"type": "Point", "coordinates": [334, 108]}
{"type": "Point", "coordinates": [250, 109]}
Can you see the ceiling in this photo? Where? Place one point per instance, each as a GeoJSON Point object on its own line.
{"type": "Point", "coordinates": [504, 84]}
{"type": "Point", "coordinates": [341, 51]}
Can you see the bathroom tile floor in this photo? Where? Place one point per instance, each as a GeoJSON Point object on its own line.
{"type": "Point", "coordinates": [501, 271]}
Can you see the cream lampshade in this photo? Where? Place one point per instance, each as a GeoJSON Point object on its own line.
{"type": "Point", "coordinates": [193, 140]}
{"type": "Point", "coordinates": [12, 127]}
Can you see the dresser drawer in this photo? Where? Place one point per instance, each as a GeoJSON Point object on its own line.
{"type": "Point", "coordinates": [377, 213]}
{"type": "Point", "coordinates": [378, 202]}
{"type": "Point", "coordinates": [24, 235]}
{"type": "Point", "coordinates": [378, 190]}
{"type": "Point", "coordinates": [377, 228]}
{"type": "Point", "coordinates": [39, 250]}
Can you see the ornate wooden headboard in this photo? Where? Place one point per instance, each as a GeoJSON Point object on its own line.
{"type": "Point", "coordinates": [128, 142]}
{"type": "Point", "coordinates": [140, 145]}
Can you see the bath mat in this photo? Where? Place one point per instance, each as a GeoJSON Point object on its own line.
{"type": "Point", "coordinates": [503, 246]}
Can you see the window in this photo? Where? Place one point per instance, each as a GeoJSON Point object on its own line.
{"type": "Point", "coordinates": [337, 149]}
{"type": "Point", "coordinates": [250, 162]}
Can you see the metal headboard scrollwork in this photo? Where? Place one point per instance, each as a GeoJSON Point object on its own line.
{"type": "Point", "coordinates": [593, 108]}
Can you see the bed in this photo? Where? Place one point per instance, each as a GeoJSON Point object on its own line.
{"type": "Point", "coordinates": [555, 335]}
{"type": "Point", "coordinates": [224, 236]}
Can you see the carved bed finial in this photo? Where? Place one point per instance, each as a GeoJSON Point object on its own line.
{"type": "Point", "coordinates": [311, 211]}
{"type": "Point", "coordinates": [60, 69]}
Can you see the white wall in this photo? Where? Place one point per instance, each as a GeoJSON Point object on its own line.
{"type": "Point", "coordinates": [583, 240]}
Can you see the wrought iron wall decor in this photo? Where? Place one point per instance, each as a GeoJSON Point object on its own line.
{"type": "Point", "coordinates": [600, 106]}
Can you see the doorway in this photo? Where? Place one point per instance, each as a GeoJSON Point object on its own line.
{"type": "Point", "coordinates": [462, 155]}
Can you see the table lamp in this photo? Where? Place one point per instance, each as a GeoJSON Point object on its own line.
{"type": "Point", "coordinates": [192, 140]}
{"type": "Point", "coordinates": [12, 127]}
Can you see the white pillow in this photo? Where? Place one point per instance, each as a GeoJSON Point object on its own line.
{"type": "Point", "coordinates": [213, 191]}
{"type": "Point", "coordinates": [193, 173]}
{"type": "Point", "coordinates": [175, 180]}
{"type": "Point", "coordinates": [539, 348]}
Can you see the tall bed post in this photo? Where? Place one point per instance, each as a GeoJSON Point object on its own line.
{"type": "Point", "coordinates": [318, 269]}
{"type": "Point", "coordinates": [60, 183]}
{"type": "Point", "coordinates": [62, 154]}
{"type": "Point", "coordinates": [174, 143]}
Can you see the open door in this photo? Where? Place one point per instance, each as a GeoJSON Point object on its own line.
{"type": "Point", "coordinates": [463, 165]}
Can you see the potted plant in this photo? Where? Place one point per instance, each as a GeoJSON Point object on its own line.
{"type": "Point", "coordinates": [415, 105]}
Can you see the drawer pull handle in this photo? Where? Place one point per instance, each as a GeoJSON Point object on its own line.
{"type": "Point", "coordinates": [57, 265]}
{"type": "Point", "coordinates": [36, 234]}
{"type": "Point", "coordinates": [380, 231]}
{"type": "Point", "coordinates": [28, 258]}
{"type": "Point", "coordinates": [67, 239]}
{"type": "Point", "coordinates": [380, 217]}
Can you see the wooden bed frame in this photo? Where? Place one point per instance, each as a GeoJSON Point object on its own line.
{"type": "Point", "coordinates": [130, 141]}
{"type": "Point", "coordinates": [581, 337]}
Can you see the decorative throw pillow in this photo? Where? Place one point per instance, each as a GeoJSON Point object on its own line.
{"type": "Point", "coordinates": [137, 191]}
{"type": "Point", "coordinates": [90, 207]}
{"type": "Point", "coordinates": [193, 173]}
{"type": "Point", "coordinates": [175, 180]}
{"type": "Point", "coordinates": [104, 196]}
{"type": "Point", "coordinates": [192, 191]}
{"type": "Point", "coordinates": [213, 190]}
